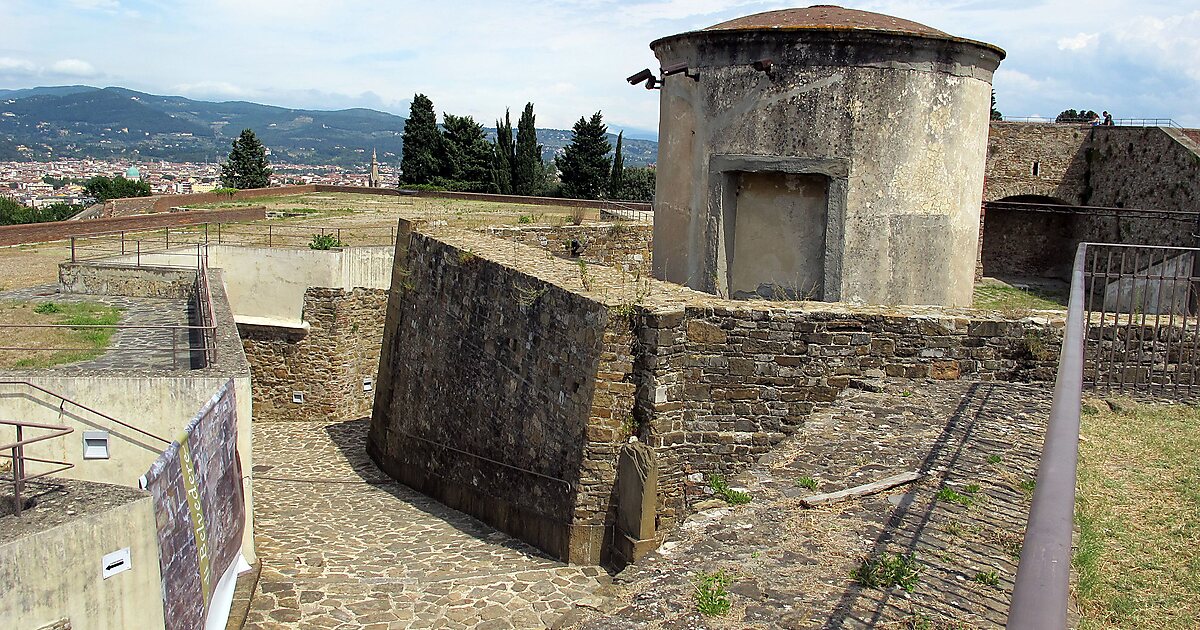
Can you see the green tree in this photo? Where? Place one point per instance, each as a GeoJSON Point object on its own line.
{"type": "Point", "coordinates": [104, 188]}
{"type": "Point", "coordinates": [618, 169]}
{"type": "Point", "coordinates": [996, 115]}
{"type": "Point", "coordinates": [1073, 116]}
{"type": "Point", "coordinates": [13, 213]}
{"type": "Point", "coordinates": [465, 155]}
{"type": "Point", "coordinates": [247, 166]}
{"type": "Point", "coordinates": [503, 156]}
{"type": "Point", "coordinates": [637, 184]}
{"type": "Point", "coordinates": [419, 162]}
{"type": "Point", "coordinates": [584, 166]}
{"type": "Point", "coordinates": [527, 165]}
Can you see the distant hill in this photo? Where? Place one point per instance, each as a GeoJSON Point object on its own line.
{"type": "Point", "coordinates": [46, 123]}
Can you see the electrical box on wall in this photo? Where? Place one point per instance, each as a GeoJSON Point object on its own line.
{"type": "Point", "coordinates": [368, 384]}
{"type": "Point", "coordinates": [298, 397]}
{"type": "Point", "coordinates": [115, 562]}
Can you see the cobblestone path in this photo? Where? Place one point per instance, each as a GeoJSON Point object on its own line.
{"type": "Point", "coordinates": [790, 567]}
{"type": "Point", "coordinates": [343, 546]}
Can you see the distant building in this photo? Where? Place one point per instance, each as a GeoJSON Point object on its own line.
{"type": "Point", "coordinates": [374, 181]}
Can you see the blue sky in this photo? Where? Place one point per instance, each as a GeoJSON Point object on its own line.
{"type": "Point", "coordinates": [569, 57]}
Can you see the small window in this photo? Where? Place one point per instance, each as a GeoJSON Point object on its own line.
{"type": "Point", "coordinates": [1037, 169]}
{"type": "Point", "coordinates": [298, 398]}
{"type": "Point", "coordinates": [368, 384]}
{"type": "Point", "coordinates": [95, 444]}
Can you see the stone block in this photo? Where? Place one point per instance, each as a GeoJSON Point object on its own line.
{"type": "Point", "coordinates": [705, 333]}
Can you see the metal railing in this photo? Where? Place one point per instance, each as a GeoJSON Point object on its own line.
{"type": "Point", "coordinates": [1142, 319]}
{"type": "Point", "coordinates": [1123, 281]}
{"type": "Point", "coordinates": [186, 339]}
{"type": "Point", "coordinates": [63, 401]}
{"type": "Point", "coordinates": [20, 475]}
{"type": "Point", "coordinates": [1117, 122]}
{"type": "Point", "coordinates": [134, 245]}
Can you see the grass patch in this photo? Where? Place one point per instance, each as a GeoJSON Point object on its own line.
{"type": "Point", "coordinates": [950, 495]}
{"type": "Point", "coordinates": [807, 482]}
{"type": "Point", "coordinates": [987, 578]}
{"type": "Point", "coordinates": [992, 295]}
{"type": "Point", "coordinates": [84, 343]}
{"type": "Point", "coordinates": [721, 488]}
{"type": "Point", "coordinates": [887, 571]}
{"type": "Point", "coordinates": [1138, 512]}
{"type": "Point", "coordinates": [712, 598]}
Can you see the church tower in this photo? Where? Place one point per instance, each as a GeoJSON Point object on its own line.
{"type": "Point", "coordinates": [373, 180]}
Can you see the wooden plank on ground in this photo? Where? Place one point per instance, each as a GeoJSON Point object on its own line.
{"type": "Point", "coordinates": [861, 491]}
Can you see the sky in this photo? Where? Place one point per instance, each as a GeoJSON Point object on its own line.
{"type": "Point", "coordinates": [569, 57]}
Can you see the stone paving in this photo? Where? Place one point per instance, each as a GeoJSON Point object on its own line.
{"type": "Point", "coordinates": [790, 566]}
{"type": "Point", "coordinates": [132, 349]}
{"type": "Point", "coordinates": [343, 546]}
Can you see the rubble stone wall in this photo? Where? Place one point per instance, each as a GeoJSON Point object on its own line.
{"type": "Point", "coordinates": [328, 361]}
{"type": "Point", "coordinates": [624, 245]}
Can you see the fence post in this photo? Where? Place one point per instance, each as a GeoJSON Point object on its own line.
{"type": "Point", "coordinates": [339, 235]}
{"type": "Point", "coordinates": [72, 249]}
{"type": "Point", "coordinates": [122, 242]}
{"type": "Point", "coordinates": [218, 234]}
{"type": "Point", "coordinates": [168, 231]}
{"type": "Point", "coordinates": [268, 236]}
{"type": "Point", "coordinates": [139, 254]}
{"type": "Point", "coordinates": [206, 233]}
{"type": "Point", "coordinates": [18, 470]}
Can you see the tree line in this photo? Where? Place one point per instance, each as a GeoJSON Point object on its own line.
{"type": "Point", "coordinates": [458, 156]}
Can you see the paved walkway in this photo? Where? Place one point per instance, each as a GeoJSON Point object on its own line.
{"type": "Point", "coordinates": [147, 349]}
{"type": "Point", "coordinates": [790, 566]}
{"type": "Point", "coordinates": [343, 546]}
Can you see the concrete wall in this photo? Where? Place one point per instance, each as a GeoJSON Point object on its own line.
{"type": "Point", "coordinates": [56, 573]}
{"type": "Point", "coordinates": [266, 285]}
{"type": "Point", "coordinates": [899, 126]}
{"type": "Point", "coordinates": [161, 402]}
{"type": "Point", "coordinates": [327, 360]}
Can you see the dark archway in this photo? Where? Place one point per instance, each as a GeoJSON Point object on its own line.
{"type": "Point", "coordinates": [1029, 236]}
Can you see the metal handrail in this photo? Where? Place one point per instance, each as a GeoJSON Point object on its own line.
{"type": "Point", "coordinates": [19, 458]}
{"type": "Point", "coordinates": [1117, 122]}
{"type": "Point", "coordinates": [63, 400]}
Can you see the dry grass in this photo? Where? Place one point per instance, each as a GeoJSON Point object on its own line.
{"type": "Point", "coordinates": [31, 265]}
{"type": "Point", "coordinates": [1138, 512]}
{"type": "Point", "coordinates": [79, 344]}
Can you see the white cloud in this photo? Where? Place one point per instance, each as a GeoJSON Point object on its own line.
{"type": "Point", "coordinates": [93, 5]}
{"type": "Point", "coordinates": [73, 67]}
{"type": "Point", "coordinates": [1078, 42]}
{"type": "Point", "coordinates": [21, 66]}
{"type": "Point", "coordinates": [212, 89]}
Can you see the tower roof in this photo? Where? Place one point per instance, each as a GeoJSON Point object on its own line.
{"type": "Point", "coordinates": [827, 17]}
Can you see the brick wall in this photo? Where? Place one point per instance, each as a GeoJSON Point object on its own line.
{"type": "Point", "coordinates": [327, 362]}
{"type": "Point", "coordinates": [164, 203]}
{"type": "Point", "coordinates": [60, 230]}
{"type": "Point", "coordinates": [624, 245]}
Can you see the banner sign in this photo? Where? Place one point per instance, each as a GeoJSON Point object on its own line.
{"type": "Point", "coordinates": [196, 485]}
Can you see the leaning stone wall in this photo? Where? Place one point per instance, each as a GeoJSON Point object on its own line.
{"type": "Point", "coordinates": [624, 245]}
{"type": "Point", "coordinates": [327, 361]}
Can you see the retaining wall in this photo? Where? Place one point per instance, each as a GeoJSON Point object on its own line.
{"type": "Point", "coordinates": [624, 245]}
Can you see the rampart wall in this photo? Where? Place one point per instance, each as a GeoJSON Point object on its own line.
{"type": "Point", "coordinates": [509, 380]}
{"type": "Point", "coordinates": [60, 230]}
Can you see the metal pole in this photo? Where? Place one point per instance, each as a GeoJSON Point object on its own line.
{"type": "Point", "coordinates": [139, 253]}
{"type": "Point", "coordinates": [218, 234]}
{"type": "Point", "coordinates": [1043, 576]}
{"type": "Point", "coordinates": [18, 470]}
{"type": "Point", "coordinates": [122, 242]}
{"type": "Point", "coordinates": [268, 236]}
{"type": "Point", "coordinates": [72, 249]}
{"type": "Point", "coordinates": [168, 231]}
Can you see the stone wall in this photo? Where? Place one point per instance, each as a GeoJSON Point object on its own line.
{"type": "Point", "coordinates": [164, 203]}
{"type": "Point", "coordinates": [624, 245]}
{"type": "Point", "coordinates": [1059, 150]}
{"type": "Point", "coordinates": [508, 380]}
{"type": "Point", "coordinates": [155, 282]}
{"type": "Point", "coordinates": [332, 359]}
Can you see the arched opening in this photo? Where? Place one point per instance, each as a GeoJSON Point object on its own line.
{"type": "Point", "coordinates": [1028, 237]}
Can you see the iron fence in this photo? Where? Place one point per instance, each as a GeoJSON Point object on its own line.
{"type": "Point", "coordinates": [1118, 122]}
{"type": "Point", "coordinates": [20, 474]}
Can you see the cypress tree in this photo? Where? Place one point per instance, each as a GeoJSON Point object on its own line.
{"type": "Point", "coordinates": [584, 165]}
{"type": "Point", "coordinates": [615, 179]}
{"type": "Point", "coordinates": [419, 160]}
{"type": "Point", "coordinates": [247, 166]}
{"type": "Point", "coordinates": [504, 156]}
{"type": "Point", "coordinates": [465, 154]}
{"type": "Point", "coordinates": [527, 165]}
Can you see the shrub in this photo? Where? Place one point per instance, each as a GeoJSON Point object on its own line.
{"type": "Point", "coordinates": [887, 571]}
{"type": "Point", "coordinates": [721, 488]}
{"type": "Point", "coordinates": [712, 599]}
{"type": "Point", "coordinates": [324, 241]}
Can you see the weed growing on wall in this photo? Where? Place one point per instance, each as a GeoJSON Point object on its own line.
{"type": "Point", "coordinates": [721, 488]}
{"type": "Point", "coordinates": [324, 242]}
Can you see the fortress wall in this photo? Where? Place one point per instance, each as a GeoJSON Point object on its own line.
{"type": "Point", "coordinates": [163, 203]}
{"type": "Point", "coordinates": [509, 379]}
{"type": "Point", "coordinates": [61, 230]}
{"type": "Point", "coordinates": [1059, 150]}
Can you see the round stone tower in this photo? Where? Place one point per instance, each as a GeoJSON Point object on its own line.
{"type": "Point", "coordinates": [822, 153]}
